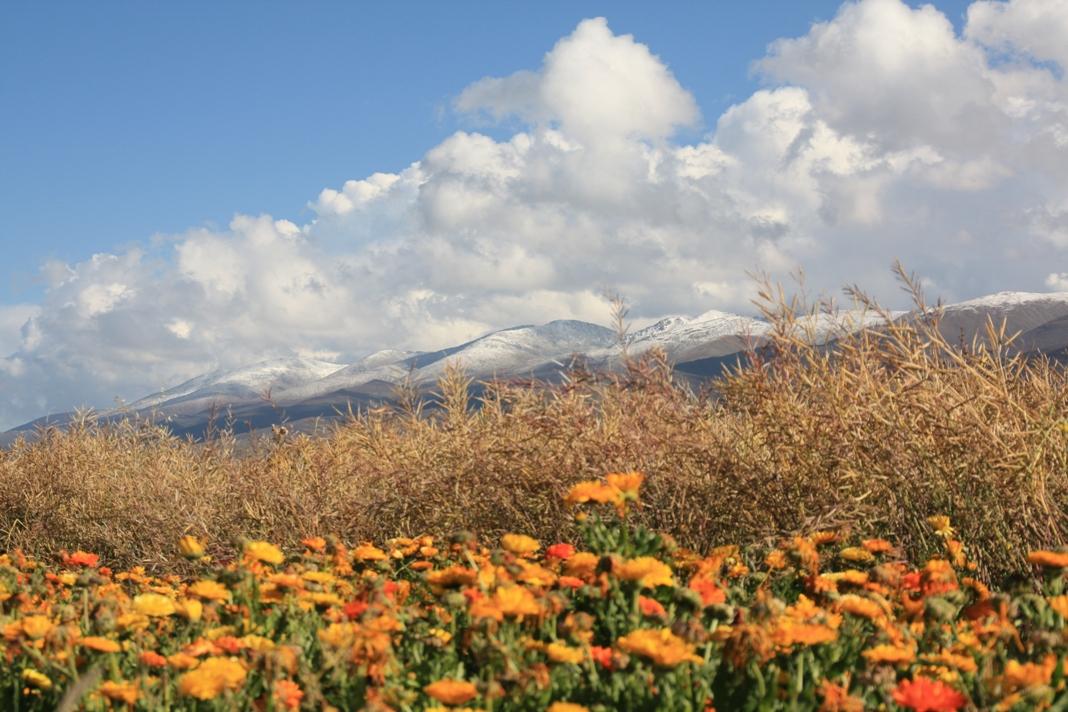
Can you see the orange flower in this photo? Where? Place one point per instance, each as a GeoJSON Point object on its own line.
{"type": "Point", "coordinates": [1060, 605]}
{"type": "Point", "coordinates": [368, 552]}
{"type": "Point", "coordinates": [288, 694]}
{"type": "Point", "coordinates": [660, 646]}
{"type": "Point", "coordinates": [567, 707]}
{"type": "Point", "coordinates": [836, 698]}
{"type": "Point", "coordinates": [315, 543]}
{"type": "Point", "coordinates": [582, 564]}
{"type": "Point", "coordinates": [877, 546]}
{"type": "Point", "coordinates": [82, 558]}
{"type": "Point", "coordinates": [926, 695]}
{"type": "Point", "coordinates": [152, 659]}
{"type": "Point", "coordinates": [1049, 559]}
{"type": "Point", "coordinates": [100, 644]}
{"type": "Point", "coordinates": [560, 653]}
{"type": "Point", "coordinates": [119, 691]}
{"type": "Point", "coordinates": [711, 594]}
{"type": "Point", "coordinates": [451, 692]}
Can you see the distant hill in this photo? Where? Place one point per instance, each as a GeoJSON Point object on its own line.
{"type": "Point", "coordinates": [304, 392]}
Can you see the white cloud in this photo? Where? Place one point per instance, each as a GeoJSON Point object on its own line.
{"type": "Point", "coordinates": [1058, 281]}
{"type": "Point", "coordinates": [880, 134]}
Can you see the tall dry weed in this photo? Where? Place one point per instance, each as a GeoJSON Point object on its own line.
{"type": "Point", "coordinates": [893, 425]}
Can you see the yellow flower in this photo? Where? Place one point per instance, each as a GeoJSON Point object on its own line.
{"type": "Point", "coordinates": [648, 571]}
{"type": "Point", "coordinates": [593, 492]}
{"type": "Point", "coordinates": [860, 606]}
{"type": "Point", "coordinates": [660, 646]}
{"type": "Point", "coordinates": [368, 552]}
{"type": "Point", "coordinates": [1022, 675]}
{"type": "Point", "coordinates": [209, 590]}
{"type": "Point", "coordinates": [154, 605]}
{"type": "Point", "coordinates": [516, 601]}
{"type": "Point", "coordinates": [191, 609]}
{"type": "Point", "coordinates": [889, 654]}
{"type": "Point", "coordinates": [452, 576]}
{"type": "Point", "coordinates": [33, 678]}
{"type": "Point", "coordinates": [560, 653]}
{"type": "Point", "coordinates": [567, 707]}
{"type": "Point", "coordinates": [100, 644]}
{"type": "Point", "coordinates": [213, 677]}
{"type": "Point", "coordinates": [119, 691]}
{"type": "Point", "coordinates": [776, 560]}
{"type": "Point", "coordinates": [451, 692]}
{"type": "Point", "coordinates": [264, 551]}
{"type": "Point", "coordinates": [581, 564]}
{"type": "Point", "coordinates": [628, 483]}
{"type": "Point", "coordinates": [940, 523]}
{"type": "Point", "coordinates": [790, 631]}
{"type": "Point", "coordinates": [36, 626]}
{"type": "Point", "coordinates": [520, 544]}
{"type": "Point", "coordinates": [856, 554]}
{"type": "Point", "coordinates": [190, 547]}
{"type": "Point", "coordinates": [338, 635]}
{"type": "Point", "coordinates": [320, 577]}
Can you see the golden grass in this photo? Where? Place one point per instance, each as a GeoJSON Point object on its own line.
{"type": "Point", "coordinates": [896, 425]}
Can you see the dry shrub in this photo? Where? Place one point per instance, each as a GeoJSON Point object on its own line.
{"type": "Point", "coordinates": [893, 425]}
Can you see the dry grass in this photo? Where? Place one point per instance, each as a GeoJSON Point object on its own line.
{"type": "Point", "coordinates": [898, 424]}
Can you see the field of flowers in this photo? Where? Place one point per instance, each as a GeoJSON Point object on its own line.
{"type": "Point", "coordinates": [625, 621]}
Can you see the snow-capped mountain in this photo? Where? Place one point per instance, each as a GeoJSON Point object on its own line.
{"type": "Point", "coordinates": [245, 382]}
{"type": "Point", "coordinates": [304, 389]}
{"type": "Point", "coordinates": [518, 351]}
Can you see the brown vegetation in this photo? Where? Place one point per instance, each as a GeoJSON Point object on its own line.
{"type": "Point", "coordinates": [895, 425]}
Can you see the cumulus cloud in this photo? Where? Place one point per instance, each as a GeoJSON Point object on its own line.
{"type": "Point", "coordinates": [879, 134]}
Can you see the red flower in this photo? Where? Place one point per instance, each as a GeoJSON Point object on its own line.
{"type": "Point", "coordinates": [602, 656]}
{"type": "Point", "coordinates": [560, 551]}
{"type": "Point", "coordinates": [354, 609]}
{"type": "Point", "coordinates": [651, 608]}
{"type": "Point", "coordinates": [926, 695]}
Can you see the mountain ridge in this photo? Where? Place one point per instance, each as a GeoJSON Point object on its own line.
{"type": "Point", "coordinates": [700, 346]}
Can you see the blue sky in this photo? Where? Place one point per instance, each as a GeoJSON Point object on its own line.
{"type": "Point", "coordinates": [191, 186]}
{"type": "Point", "coordinates": [123, 120]}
